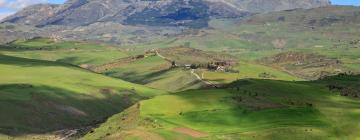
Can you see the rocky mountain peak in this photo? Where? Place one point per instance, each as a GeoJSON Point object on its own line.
{"type": "Point", "coordinates": [191, 13]}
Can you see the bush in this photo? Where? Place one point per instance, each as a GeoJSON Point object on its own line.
{"type": "Point", "coordinates": [9, 27]}
{"type": "Point", "coordinates": [266, 75]}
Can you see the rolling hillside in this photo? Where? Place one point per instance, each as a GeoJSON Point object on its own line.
{"type": "Point", "coordinates": [38, 96]}
{"type": "Point", "coordinates": [248, 109]}
{"type": "Point", "coordinates": [181, 70]}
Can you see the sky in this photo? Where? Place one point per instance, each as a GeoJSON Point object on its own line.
{"type": "Point", "coordinates": [8, 7]}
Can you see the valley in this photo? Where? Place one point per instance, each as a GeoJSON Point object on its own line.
{"type": "Point", "coordinates": [211, 70]}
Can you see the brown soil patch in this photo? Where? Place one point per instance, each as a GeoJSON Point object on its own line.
{"type": "Point", "coordinates": [143, 134]}
{"type": "Point", "coordinates": [279, 43]}
{"type": "Point", "coordinates": [191, 132]}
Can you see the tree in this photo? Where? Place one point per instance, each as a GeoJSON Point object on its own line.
{"type": "Point", "coordinates": [173, 64]}
{"type": "Point", "coordinates": [193, 66]}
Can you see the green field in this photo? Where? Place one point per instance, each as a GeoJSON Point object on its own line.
{"type": "Point", "coordinates": [246, 71]}
{"type": "Point", "coordinates": [76, 53]}
{"type": "Point", "coordinates": [277, 87]}
{"type": "Point", "coordinates": [41, 96]}
{"type": "Point", "coordinates": [280, 110]}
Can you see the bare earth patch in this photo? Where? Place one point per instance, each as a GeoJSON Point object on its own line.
{"type": "Point", "coordinates": [191, 132]}
{"type": "Point", "coordinates": [143, 134]}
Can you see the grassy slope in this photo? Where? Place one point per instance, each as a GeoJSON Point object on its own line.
{"type": "Point", "coordinates": [264, 35]}
{"type": "Point", "coordinates": [250, 42]}
{"type": "Point", "coordinates": [40, 96]}
{"type": "Point", "coordinates": [152, 71]}
{"type": "Point", "coordinates": [76, 53]}
{"type": "Point", "coordinates": [175, 80]}
{"type": "Point", "coordinates": [155, 72]}
{"type": "Point", "coordinates": [279, 111]}
{"type": "Point", "coordinates": [247, 70]}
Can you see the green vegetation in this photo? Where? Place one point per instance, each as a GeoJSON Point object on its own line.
{"type": "Point", "coordinates": [155, 72]}
{"type": "Point", "coordinates": [75, 53]}
{"type": "Point", "coordinates": [41, 96]}
{"type": "Point", "coordinates": [250, 109]}
{"type": "Point", "coordinates": [246, 70]}
{"type": "Point", "coordinates": [48, 85]}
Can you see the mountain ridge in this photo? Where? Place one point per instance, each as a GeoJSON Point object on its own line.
{"type": "Point", "coordinates": [189, 13]}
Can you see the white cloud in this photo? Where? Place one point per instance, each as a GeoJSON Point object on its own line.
{"type": "Point", "coordinates": [2, 3]}
{"type": "Point", "coordinates": [19, 4]}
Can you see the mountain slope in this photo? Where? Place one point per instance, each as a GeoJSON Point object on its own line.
{"type": "Point", "coordinates": [84, 12]}
{"type": "Point", "coordinates": [192, 13]}
{"type": "Point", "coordinates": [261, 6]}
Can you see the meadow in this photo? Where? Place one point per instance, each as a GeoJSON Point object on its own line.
{"type": "Point", "coordinates": [273, 91]}
{"type": "Point", "coordinates": [268, 109]}
{"type": "Point", "coordinates": [42, 96]}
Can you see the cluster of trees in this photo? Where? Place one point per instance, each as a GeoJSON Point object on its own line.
{"type": "Point", "coordinates": [211, 66]}
{"type": "Point", "coordinates": [7, 27]}
{"type": "Point", "coordinates": [266, 75]}
{"type": "Point", "coordinates": [239, 95]}
{"type": "Point", "coordinates": [350, 90]}
{"type": "Point", "coordinates": [295, 102]}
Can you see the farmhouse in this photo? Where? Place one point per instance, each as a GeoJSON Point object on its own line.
{"type": "Point", "coordinates": [188, 66]}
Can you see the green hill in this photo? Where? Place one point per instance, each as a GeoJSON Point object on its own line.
{"type": "Point", "coordinates": [247, 109]}
{"type": "Point", "coordinates": [72, 52]}
{"type": "Point", "coordinates": [37, 97]}
{"type": "Point", "coordinates": [261, 66]}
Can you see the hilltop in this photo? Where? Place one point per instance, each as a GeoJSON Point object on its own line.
{"type": "Point", "coordinates": [134, 22]}
{"type": "Point", "coordinates": [159, 13]}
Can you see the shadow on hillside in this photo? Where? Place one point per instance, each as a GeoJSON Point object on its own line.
{"type": "Point", "coordinates": [155, 76]}
{"type": "Point", "coordinates": [300, 102]}
{"type": "Point", "coordinates": [25, 62]}
{"type": "Point", "coordinates": [28, 109]}
{"type": "Point", "coordinates": [138, 78]}
{"type": "Point", "coordinates": [75, 60]}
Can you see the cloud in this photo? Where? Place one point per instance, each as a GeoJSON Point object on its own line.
{"type": "Point", "coordinates": [19, 4]}
{"type": "Point", "coordinates": [2, 3]}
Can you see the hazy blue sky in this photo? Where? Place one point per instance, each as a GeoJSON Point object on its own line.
{"type": "Point", "coordinates": [339, 2]}
{"type": "Point", "coordinates": [8, 7]}
{"type": "Point", "coordinates": [57, 1]}
{"type": "Point", "coordinates": [346, 2]}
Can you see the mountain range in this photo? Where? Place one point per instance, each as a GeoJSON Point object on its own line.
{"type": "Point", "coordinates": [135, 21]}
{"type": "Point", "coordinates": [191, 13]}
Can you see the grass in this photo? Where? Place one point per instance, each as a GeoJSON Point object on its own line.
{"type": "Point", "coordinates": [157, 73]}
{"type": "Point", "coordinates": [175, 80]}
{"type": "Point", "coordinates": [280, 110]}
{"type": "Point", "coordinates": [281, 107]}
{"type": "Point", "coordinates": [41, 96]}
{"type": "Point", "coordinates": [76, 53]}
{"type": "Point", "coordinates": [79, 57]}
{"type": "Point", "coordinates": [247, 70]}
{"type": "Point", "coordinates": [48, 44]}
{"type": "Point", "coordinates": [139, 70]}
